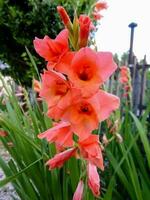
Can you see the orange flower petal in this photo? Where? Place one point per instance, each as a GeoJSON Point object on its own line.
{"type": "Point", "coordinates": [61, 134]}
{"type": "Point", "coordinates": [59, 159]}
{"type": "Point", "coordinates": [91, 151]}
{"type": "Point", "coordinates": [52, 49]}
{"type": "Point", "coordinates": [104, 103]}
{"type": "Point", "coordinates": [107, 66]}
{"type": "Point", "coordinates": [55, 112]}
{"type": "Point", "coordinates": [64, 65]}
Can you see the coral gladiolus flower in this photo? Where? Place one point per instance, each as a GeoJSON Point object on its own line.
{"type": "Point", "coordinates": [61, 134]}
{"type": "Point", "coordinates": [36, 85]}
{"type": "Point", "coordinates": [54, 87]}
{"type": "Point", "coordinates": [85, 27]}
{"type": "Point", "coordinates": [52, 50]}
{"type": "Point", "coordinates": [82, 117]}
{"type": "Point", "coordinates": [84, 114]}
{"type": "Point", "coordinates": [59, 159]}
{"type": "Point", "coordinates": [93, 179]}
{"type": "Point", "coordinates": [3, 133]}
{"type": "Point", "coordinates": [100, 6]}
{"type": "Point", "coordinates": [89, 69]}
{"type": "Point", "coordinates": [91, 151]}
{"type": "Point", "coordinates": [64, 16]}
{"type": "Point", "coordinates": [57, 92]}
{"type": "Point", "coordinates": [79, 191]}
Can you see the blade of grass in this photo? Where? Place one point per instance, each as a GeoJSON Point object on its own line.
{"type": "Point", "coordinates": [13, 177]}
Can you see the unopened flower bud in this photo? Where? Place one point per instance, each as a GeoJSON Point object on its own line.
{"type": "Point", "coordinates": [64, 16]}
{"type": "Point", "coordinates": [85, 27]}
{"type": "Point", "coordinates": [109, 122]}
{"type": "Point", "coordinates": [3, 133]}
{"type": "Point", "coordinates": [105, 140]}
{"type": "Point", "coordinates": [10, 144]}
{"type": "Point", "coordinates": [115, 127]}
{"type": "Point", "coordinates": [119, 138]}
{"type": "Point", "coordinates": [36, 85]}
{"type": "Point", "coordinates": [102, 147]}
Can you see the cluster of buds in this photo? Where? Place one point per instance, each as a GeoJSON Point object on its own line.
{"type": "Point", "coordinates": [98, 7]}
{"type": "Point", "coordinates": [71, 88]}
{"type": "Point", "coordinates": [113, 129]}
{"type": "Point", "coordinates": [125, 80]}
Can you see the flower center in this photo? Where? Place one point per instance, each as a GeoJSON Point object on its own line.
{"type": "Point", "coordinates": [85, 73]}
{"type": "Point", "coordinates": [85, 108]}
{"type": "Point", "coordinates": [61, 88]}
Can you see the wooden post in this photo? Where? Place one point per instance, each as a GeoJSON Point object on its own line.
{"type": "Point", "coordinates": [132, 27]}
{"type": "Point", "coordinates": [143, 83]}
{"type": "Point", "coordinates": [136, 89]}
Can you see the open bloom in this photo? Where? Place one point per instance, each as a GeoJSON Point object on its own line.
{"type": "Point", "coordinates": [52, 50]}
{"type": "Point", "coordinates": [93, 179]}
{"type": "Point", "coordinates": [79, 191]}
{"type": "Point", "coordinates": [54, 87]}
{"type": "Point", "coordinates": [90, 150]}
{"type": "Point", "coordinates": [61, 134]}
{"type": "Point", "coordinates": [57, 92]}
{"type": "Point", "coordinates": [89, 69]}
{"type": "Point", "coordinates": [82, 117]}
{"type": "Point", "coordinates": [84, 114]}
{"type": "Point", "coordinates": [59, 159]}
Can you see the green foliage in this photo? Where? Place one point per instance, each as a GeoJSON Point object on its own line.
{"type": "Point", "coordinates": [20, 22]}
{"type": "Point", "coordinates": [127, 175]}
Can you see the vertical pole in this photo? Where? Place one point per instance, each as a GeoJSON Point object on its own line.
{"type": "Point", "coordinates": [143, 82]}
{"type": "Point", "coordinates": [132, 26]}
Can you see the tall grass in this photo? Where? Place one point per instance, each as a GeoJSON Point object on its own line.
{"type": "Point", "coordinates": [128, 174]}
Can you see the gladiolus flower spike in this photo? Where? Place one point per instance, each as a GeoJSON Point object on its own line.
{"type": "Point", "coordinates": [72, 89]}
